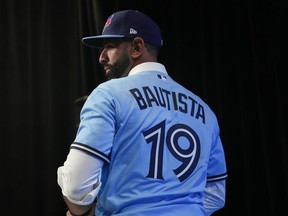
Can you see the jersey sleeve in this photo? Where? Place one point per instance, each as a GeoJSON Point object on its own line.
{"type": "Point", "coordinates": [97, 125]}
{"type": "Point", "coordinates": [217, 163]}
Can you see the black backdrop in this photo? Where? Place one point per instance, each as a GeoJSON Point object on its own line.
{"type": "Point", "coordinates": [231, 53]}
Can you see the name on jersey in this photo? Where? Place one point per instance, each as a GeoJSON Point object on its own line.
{"type": "Point", "coordinates": [147, 97]}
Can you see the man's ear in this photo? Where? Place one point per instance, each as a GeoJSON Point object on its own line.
{"type": "Point", "coordinates": [138, 47]}
{"type": "Point", "coordinates": [138, 44]}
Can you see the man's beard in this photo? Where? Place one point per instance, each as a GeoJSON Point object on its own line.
{"type": "Point", "coordinates": [120, 68]}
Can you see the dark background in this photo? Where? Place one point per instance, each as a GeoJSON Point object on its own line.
{"type": "Point", "coordinates": [230, 53]}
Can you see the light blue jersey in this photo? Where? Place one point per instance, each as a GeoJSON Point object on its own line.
{"type": "Point", "coordinates": [159, 141]}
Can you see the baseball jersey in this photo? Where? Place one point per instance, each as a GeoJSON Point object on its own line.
{"type": "Point", "coordinates": [159, 141]}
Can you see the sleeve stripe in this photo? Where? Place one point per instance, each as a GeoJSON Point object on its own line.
{"type": "Point", "coordinates": [217, 177]}
{"type": "Point", "coordinates": [90, 151]}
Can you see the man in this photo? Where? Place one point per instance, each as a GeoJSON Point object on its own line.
{"type": "Point", "coordinates": [145, 144]}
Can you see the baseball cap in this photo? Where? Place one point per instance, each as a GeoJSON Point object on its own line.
{"type": "Point", "coordinates": [127, 24]}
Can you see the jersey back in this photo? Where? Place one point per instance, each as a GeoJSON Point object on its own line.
{"type": "Point", "coordinates": [160, 143]}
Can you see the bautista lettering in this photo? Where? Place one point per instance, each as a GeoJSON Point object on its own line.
{"type": "Point", "coordinates": [147, 97]}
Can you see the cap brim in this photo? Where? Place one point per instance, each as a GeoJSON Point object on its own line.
{"type": "Point", "coordinates": [97, 41]}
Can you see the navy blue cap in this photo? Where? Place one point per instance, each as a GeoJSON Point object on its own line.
{"type": "Point", "coordinates": [127, 24]}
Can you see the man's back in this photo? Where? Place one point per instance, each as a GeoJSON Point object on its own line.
{"type": "Point", "coordinates": [160, 155]}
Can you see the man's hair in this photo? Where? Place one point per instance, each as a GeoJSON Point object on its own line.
{"type": "Point", "coordinates": [153, 50]}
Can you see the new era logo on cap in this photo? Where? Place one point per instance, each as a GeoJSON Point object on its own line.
{"type": "Point", "coordinates": [133, 31]}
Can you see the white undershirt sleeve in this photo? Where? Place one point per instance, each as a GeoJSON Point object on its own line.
{"type": "Point", "coordinates": [214, 196]}
{"type": "Point", "coordinates": [80, 177]}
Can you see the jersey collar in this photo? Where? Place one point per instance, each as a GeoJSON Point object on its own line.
{"type": "Point", "coordinates": [148, 66]}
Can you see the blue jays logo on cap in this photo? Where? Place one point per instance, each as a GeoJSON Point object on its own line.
{"type": "Point", "coordinates": [109, 20]}
{"type": "Point", "coordinates": [128, 24]}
